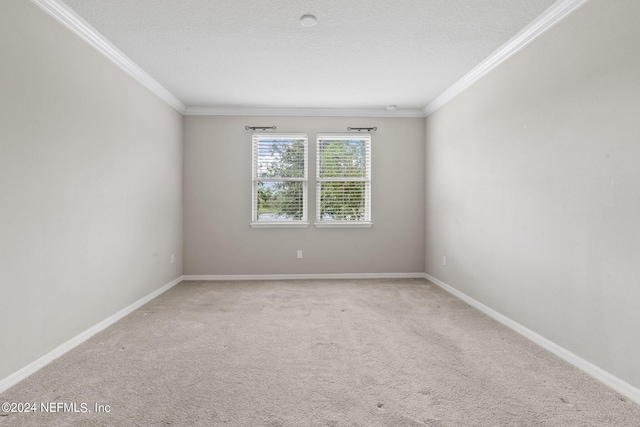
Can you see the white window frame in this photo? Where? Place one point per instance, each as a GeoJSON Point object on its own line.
{"type": "Point", "coordinates": [284, 223]}
{"type": "Point", "coordinates": [367, 221]}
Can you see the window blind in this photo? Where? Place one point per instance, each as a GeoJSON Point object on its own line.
{"type": "Point", "coordinates": [343, 178]}
{"type": "Point", "coordinates": [279, 193]}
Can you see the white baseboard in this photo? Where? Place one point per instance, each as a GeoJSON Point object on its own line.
{"type": "Point", "coordinates": [222, 277]}
{"type": "Point", "coordinates": [610, 380]}
{"type": "Point", "coordinates": [23, 373]}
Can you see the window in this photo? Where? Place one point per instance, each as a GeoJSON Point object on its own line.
{"type": "Point", "coordinates": [279, 193]}
{"type": "Point", "coordinates": [343, 180]}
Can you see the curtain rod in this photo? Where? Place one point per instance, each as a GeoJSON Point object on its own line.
{"type": "Point", "coordinates": [260, 127]}
{"type": "Point", "coordinates": [369, 129]}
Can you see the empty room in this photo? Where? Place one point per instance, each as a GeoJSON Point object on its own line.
{"type": "Point", "coordinates": [297, 213]}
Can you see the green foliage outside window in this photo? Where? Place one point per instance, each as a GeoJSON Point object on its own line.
{"type": "Point", "coordinates": [342, 172]}
{"type": "Point", "coordinates": [282, 159]}
{"type": "Point", "coordinates": [342, 197]}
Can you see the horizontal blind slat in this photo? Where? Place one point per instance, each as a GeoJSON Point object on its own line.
{"type": "Point", "coordinates": [279, 177]}
{"type": "Point", "coordinates": [343, 178]}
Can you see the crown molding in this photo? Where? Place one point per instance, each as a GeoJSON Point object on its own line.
{"type": "Point", "coordinates": [63, 14]}
{"type": "Point", "coordinates": [300, 112]}
{"type": "Point", "coordinates": [80, 27]}
{"type": "Point", "coordinates": [324, 276]}
{"type": "Point", "coordinates": [558, 11]}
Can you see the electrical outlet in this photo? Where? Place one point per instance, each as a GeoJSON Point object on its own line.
{"type": "Point", "coordinates": [299, 254]}
{"type": "Point", "coordinates": [173, 258]}
{"type": "Point", "coordinates": [444, 260]}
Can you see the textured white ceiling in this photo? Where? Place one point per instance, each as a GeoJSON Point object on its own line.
{"type": "Point", "coordinates": [362, 54]}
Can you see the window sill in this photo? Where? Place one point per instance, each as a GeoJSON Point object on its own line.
{"type": "Point", "coordinates": [282, 224]}
{"type": "Point", "coordinates": [343, 224]}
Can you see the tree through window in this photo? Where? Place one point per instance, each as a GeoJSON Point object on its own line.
{"type": "Point", "coordinates": [279, 179]}
{"type": "Point", "coordinates": [343, 180]}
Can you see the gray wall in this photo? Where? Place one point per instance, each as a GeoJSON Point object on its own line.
{"type": "Point", "coordinates": [90, 187]}
{"type": "Point", "coordinates": [217, 209]}
{"type": "Point", "coordinates": [533, 187]}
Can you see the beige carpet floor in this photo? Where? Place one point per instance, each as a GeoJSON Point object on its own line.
{"type": "Point", "coordinates": [314, 353]}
